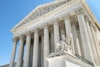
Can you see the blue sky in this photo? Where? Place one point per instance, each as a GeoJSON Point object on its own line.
{"type": "Point", "coordinates": [12, 11]}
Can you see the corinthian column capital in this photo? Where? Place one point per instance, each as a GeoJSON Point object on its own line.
{"type": "Point", "coordinates": [21, 37]}
{"type": "Point", "coordinates": [67, 17]}
{"type": "Point", "coordinates": [86, 18]}
{"type": "Point", "coordinates": [92, 25]}
{"type": "Point", "coordinates": [28, 34]}
{"type": "Point", "coordinates": [79, 11]}
{"type": "Point", "coordinates": [56, 22]}
{"type": "Point", "coordinates": [15, 39]}
{"type": "Point", "coordinates": [46, 27]}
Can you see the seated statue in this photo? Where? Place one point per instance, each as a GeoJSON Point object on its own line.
{"type": "Point", "coordinates": [63, 46]}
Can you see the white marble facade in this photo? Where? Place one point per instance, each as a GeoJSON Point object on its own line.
{"type": "Point", "coordinates": [61, 27]}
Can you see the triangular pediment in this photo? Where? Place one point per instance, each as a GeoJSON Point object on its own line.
{"type": "Point", "coordinates": [41, 10]}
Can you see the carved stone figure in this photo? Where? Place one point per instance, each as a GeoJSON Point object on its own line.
{"type": "Point", "coordinates": [63, 46]}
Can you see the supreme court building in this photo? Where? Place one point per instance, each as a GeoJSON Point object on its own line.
{"type": "Point", "coordinates": [62, 33]}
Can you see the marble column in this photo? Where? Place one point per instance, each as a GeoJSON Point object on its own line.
{"type": "Point", "coordinates": [92, 42]}
{"type": "Point", "coordinates": [56, 33]}
{"type": "Point", "coordinates": [80, 42]}
{"type": "Point", "coordinates": [95, 41]}
{"type": "Point", "coordinates": [35, 49]}
{"type": "Point", "coordinates": [46, 45]}
{"type": "Point", "coordinates": [31, 55]}
{"type": "Point", "coordinates": [42, 45]}
{"type": "Point", "coordinates": [12, 61]}
{"type": "Point", "coordinates": [76, 40]}
{"type": "Point", "coordinates": [27, 53]}
{"type": "Point", "coordinates": [52, 41]}
{"type": "Point", "coordinates": [85, 38]}
{"type": "Point", "coordinates": [69, 31]}
{"type": "Point", "coordinates": [20, 53]}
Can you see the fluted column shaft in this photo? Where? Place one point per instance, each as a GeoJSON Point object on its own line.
{"type": "Point", "coordinates": [95, 41]}
{"type": "Point", "coordinates": [52, 41]}
{"type": "Point", "coordinates": [20, 53]}
{"type": "Point", "coordinates": [42, 53]}
{"type": "Point", "coordinates": [46, 44]}
{"type": "Point", "coordinates": [80, 42]}
{"type": "Point", "coordinates": [35, 49]}
{"type": "Point", "coordinates": [85, 39]}
{"type": "Point", "coordinates": [28, 41]}
{"type": "Point", "coordinates": [56, 34]}
{"type": "Point", "coordinates": [76, 40]}
{"type": "Point", "coordinates": [69, 31]}
{"type": "Point", "coordinates": [13, 53]}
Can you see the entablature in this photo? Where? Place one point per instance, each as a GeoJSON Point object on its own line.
{"type": "Point", "coordinates": [53, 15]}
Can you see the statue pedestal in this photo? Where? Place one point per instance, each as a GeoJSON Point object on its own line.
{"type": "Point", "coordinates": [56, 62]}
{"type": "Point", "coordinates": [66, 61]}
